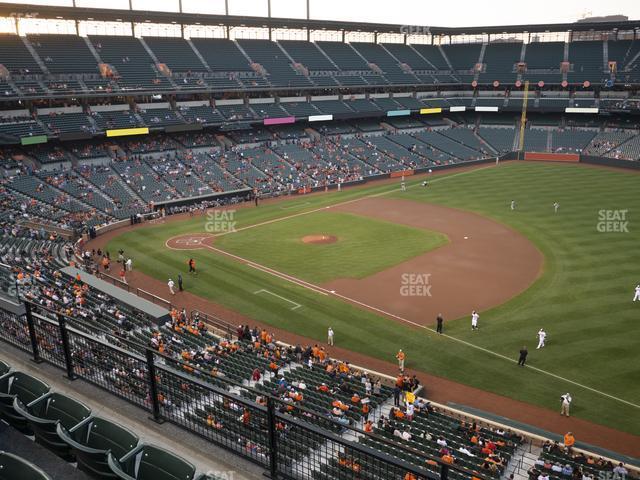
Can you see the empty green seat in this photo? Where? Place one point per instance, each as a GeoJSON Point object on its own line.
{"type": "Point", "coordinates": [91, 441]}
{"type": "Point", "coordinates": [44, 414]}
{"type": "Point", "coordinates": [147, 462]}
{"type": "Point", "coordinates": [13, 467]}
{"type": "Point", "coordinates": [24, 387]}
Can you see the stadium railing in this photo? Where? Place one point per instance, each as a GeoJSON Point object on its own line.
{"type": "Point", "coordinates": [156, 384]}
{"type": "Point", "coordinates": [137, 291]}
{"type": "Point", "coordinates": [216, 322]}
{"type": "Point", "coordinates": [154, 298]}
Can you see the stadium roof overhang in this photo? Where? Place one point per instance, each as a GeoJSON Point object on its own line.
{"type": "Point", "coordinates": [140, 16]}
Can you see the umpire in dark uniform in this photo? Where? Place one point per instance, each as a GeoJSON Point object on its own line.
{"type": "Point", "coordinates": [439, 322]}
{"type": "Point", "coordinates": [523, 356]}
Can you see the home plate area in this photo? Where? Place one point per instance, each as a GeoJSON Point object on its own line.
{"type": "Point", "coordinates": [190, 242]}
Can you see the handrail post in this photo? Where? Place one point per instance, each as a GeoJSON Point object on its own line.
{"type": "Point", "coordinates": [66, 348]}
{"type": "Point", "coordinates": [35, 348]}
{"type": "Point", "coordinates": [273, 439]}
{"type": "Point", "coordinates": [153, 387]}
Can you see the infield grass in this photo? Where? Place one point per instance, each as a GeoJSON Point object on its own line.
{"type": "Point", "coordinates": [364, 246]}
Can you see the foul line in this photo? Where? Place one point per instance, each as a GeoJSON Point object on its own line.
{"type": "Point", "coordinates": [297, 305]}
{"type": "Point", "coordinates": [271, 271]}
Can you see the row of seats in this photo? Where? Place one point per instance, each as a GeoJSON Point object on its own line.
{"type": "Point", "coordinates": [12, 130]}
{"type": "Point", "coordinates": [69, 429]}
{"type": "Point", "coordinates": [176, 63]}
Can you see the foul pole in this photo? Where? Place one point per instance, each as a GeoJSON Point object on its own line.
{"type": "Point", "coordinates": [523, 117]}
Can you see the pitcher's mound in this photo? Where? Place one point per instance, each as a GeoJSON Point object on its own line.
{"type": "Point", "coordinates": [319, 239]}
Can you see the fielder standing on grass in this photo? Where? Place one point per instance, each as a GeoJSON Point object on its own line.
{"type": "Point", "coordinates": [636, 298]}
{"type": "Point", "coordinates": [474, 320]}
{"type": "Point", "coordinates": [330, 336]}
{"type": "Point", "coordinates": [565, 404]}
{"type": "Point", "coordinates": [400, 356]}
{"type": "Point", "coordinates": [541, 337]}
{"type": "Point", "coordinates": [556, 206]}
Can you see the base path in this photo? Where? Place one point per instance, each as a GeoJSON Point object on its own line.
{"type": "Point", "coordinates": [484, 264]}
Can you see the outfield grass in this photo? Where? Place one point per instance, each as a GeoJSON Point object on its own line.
{"type": "Point", "coordinates": [362, 246]}
{"type": "Point", "coordinates": [583, 298]}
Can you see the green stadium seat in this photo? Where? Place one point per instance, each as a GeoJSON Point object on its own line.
{"type": "Point", "coordinates": [13, 467]}
{"type": "Point", "coordinates": [44, 414]}
{"type": "Point", "coordinates": [147, 462]}
{"type": "Point", "coordinates": [24, 387]}
{"type": "Point", "coordinates": [93, 439]}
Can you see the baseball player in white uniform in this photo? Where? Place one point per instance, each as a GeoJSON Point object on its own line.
{"type": "Point", "coordinates": [330, 336]}
{"type": "Point", "coordinates": [474, 320]}
{"type": "Point", "coordinates": [636, 298]}
{"type": "Point", "coordinates": [171, 284]}
{"type": "Point", "coordinates": [513, 204]}
{"type": "Point", "coordinates": [556, 206]}
{"type": "Point", "coordinates": [541, 336]}
{"type": "Point", "coordinates": [565, 401]}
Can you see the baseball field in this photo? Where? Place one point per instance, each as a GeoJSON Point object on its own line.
{"type": "Point", "coordinates": [377, 264]}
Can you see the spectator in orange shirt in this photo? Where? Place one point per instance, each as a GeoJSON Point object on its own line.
{"type": "Point", "coordinates": [246, 416]}
{"type": "Point", "coordinates": [365, 410]}
{"type": "Point", "coordinates": [400, 356]}
{"type": "Point", "coordinates": [569, 440]}
{"type": "Point", "coordinates": [448, 458]}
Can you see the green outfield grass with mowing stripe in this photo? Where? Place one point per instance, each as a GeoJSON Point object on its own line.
{"type": "Point", "coordinates": [362, 247]}
{"type": "Point", "coordinates": [583, 298]}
